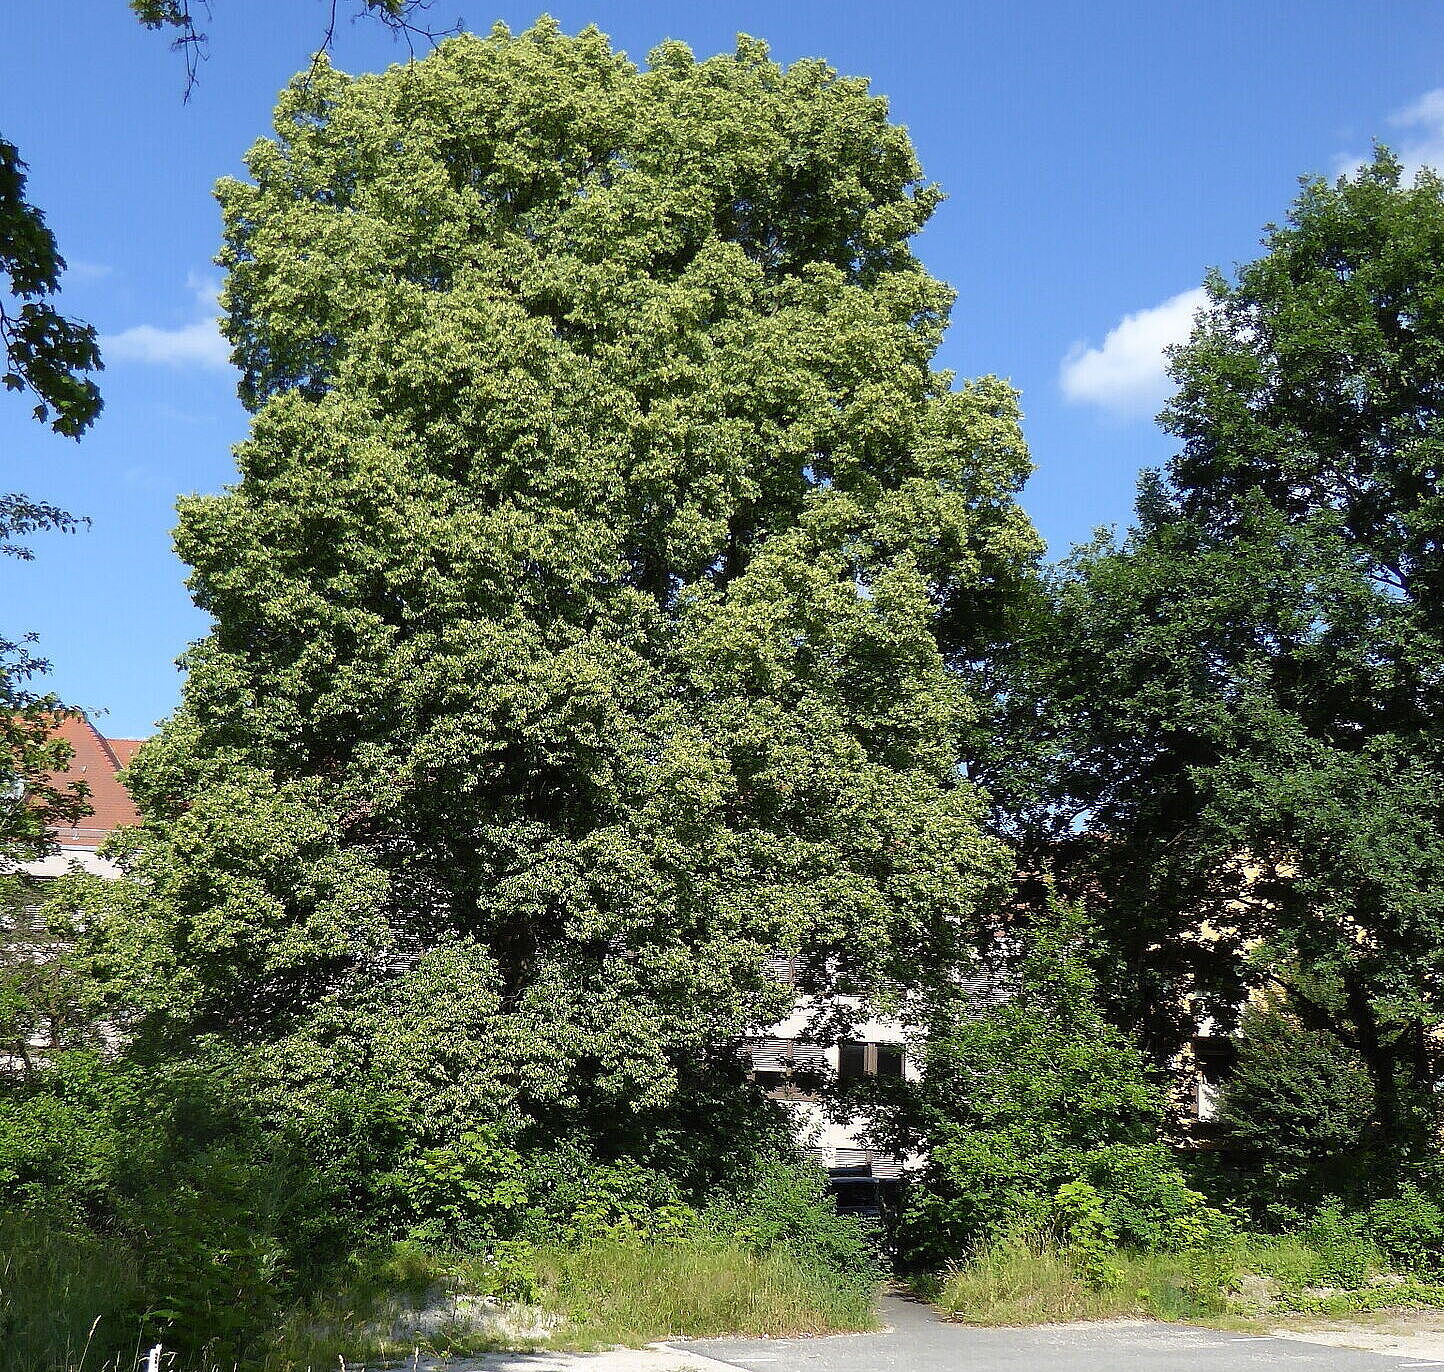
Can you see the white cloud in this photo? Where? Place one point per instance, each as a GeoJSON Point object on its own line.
{"type": "Point", "coordinates": [199, 345]}
{"type": "Point", "coordinates": [190, 345]}
{"type": "Point", "coordinates": [1126, 374]}
{"type": "Point", "coordinates": [78, 269]}
{"type": "Point", "coordinates": [1420, 142]}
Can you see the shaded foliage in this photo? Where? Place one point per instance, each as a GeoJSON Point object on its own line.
{"type": "Point", "coordinates": [1234, 717]}
{"type": "Point", "coordinates": [1299, 1109]}
{"type": "Point", "coordinates": [1035, 1112]}
{"type": "Point", "coordinates": [45, 353]}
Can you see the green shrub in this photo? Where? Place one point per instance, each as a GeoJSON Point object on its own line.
{"type": "Point", "coordinates": [66, 1136]}
{"type": "Point", "coordinates": [237, 1223]}
{"type": "Point", "coordinates": [1298, 1107]}
{"type": "Point", "coordinates": [1148, 1201]}
{"type": "Point", "coordinates": [215, 1253]}
{"type": "Point", "coordinates": [227, 1224]}
{"type": "Point", "coordinates": [1408, 1228]}
{"type": "Point", "coordinates": [1085, 1233]}
{"type": "Point", "coordinates": [975, 1183]}
{"type": "Point", "coordinates": [1344, 1253]}
{"type": "Point", "coordinates": [1019, 1099]}
{"type": "Point", "coordinates": [469, 1192]}
{"type": "Point", "coordinates": [786, 1207]}
{"type": "Point", "coordinates": [573, 1197]}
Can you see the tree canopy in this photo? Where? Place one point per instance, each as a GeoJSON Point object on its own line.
{"type": "Point", "coordinates": [615, 599]}
{"type": "Point", "coordinates": [45, 353]}
{"type": "Point", "coordinates": [590, 612]}
{"type": "Point", "coordinates": [1251, 685]}
{"type": "Point", "coordinates": [52, 356]}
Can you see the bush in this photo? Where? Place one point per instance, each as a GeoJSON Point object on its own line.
{"type": "Point", "coordinates": [1298, 1107]}
{"type": "Point", "coordinates": [786, 1207]}
{"type": "Point", "coordinates": [226, 1224]}
{"type": "Point", "coordinates": [235, 1222]}
{"type": "Point", "coordinates": [1148, 1202]}
{"type": "Point", "coordinates": [470, 1192]}
{"type": "Point", "coordinates": [1085, 1233]}
{"type": "Point", "coordinates": [1345, 1255]}
{"type": "Point", "coordinates": [64, 1139]}
{"type": "Point", "coordinates": [1408, 1228]}
{"type": "Point", "coordinates": [1040, 1093]}
{"type": "Point", "coordinates": [974, 1184]}
{"type": "Point", "coordinates": [574, 1197]}
{"type": "Point", "coordinates": [976, 1187]}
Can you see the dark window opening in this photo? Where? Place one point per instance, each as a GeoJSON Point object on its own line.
{"type": "Point", "coordinates": [1214, 1056]}
{"type": "Point", "coordinates": [851, 1061]}
{"type": "Point", "coordinates": [889, 1060]}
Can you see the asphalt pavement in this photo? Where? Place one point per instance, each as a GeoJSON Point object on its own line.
{"type": "Point", "coordinates": [917, 1341]}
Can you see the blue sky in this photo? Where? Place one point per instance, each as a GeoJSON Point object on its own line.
{"type": "Point", "coordinates": [1098, 158]}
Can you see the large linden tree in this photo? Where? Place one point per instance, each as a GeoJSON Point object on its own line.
{"type": "Point", "coordinates": [595, 610]}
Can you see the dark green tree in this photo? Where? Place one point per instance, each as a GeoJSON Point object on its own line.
{"type": "Point", "coordinates": [1238, 710]}
{"type": "Point", "coordinates": [587, 609]}
{"type": "Point", "coordinates": [45, 353]}
{"type": "Point", "coordinates": [1299, 1108]}
{"type": "Point", "coordinates": [1024, 1088]}
{"type": "Point", "coordinates": [31, 801]}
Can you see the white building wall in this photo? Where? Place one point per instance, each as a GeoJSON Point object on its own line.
{"type": "Point", "coordinates": [61, 862]}
{"type": "Point", "coordinates": [832, 1140]}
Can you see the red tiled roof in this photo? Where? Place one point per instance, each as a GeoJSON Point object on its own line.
{"type": "Point", "coordinates": [124, 749]}
{"type": "Point", "coordinates": [95, 761]}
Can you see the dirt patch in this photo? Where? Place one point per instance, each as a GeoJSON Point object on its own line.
{"type": "Point", "coordinates": [1413, 1333]}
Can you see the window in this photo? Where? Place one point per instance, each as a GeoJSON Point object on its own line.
{"type": "Point", "coordinates": [783, 968]}
{"type": "Point", "coordinates": [857, 1060]}
{"type": "Point", "coordinates": [852, 1061]}
{"type": "Point", "coordinates": [24, 921]}
{"type": "Point", "coordinates": [889, 1060]}
{"type": "Point", "coordinates": [785, 1068]}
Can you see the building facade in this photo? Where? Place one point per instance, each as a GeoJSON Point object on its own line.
{"type": "Point", "coordinates": [95, 760]}
{"type": "Point", "coordinates": [28, 950]}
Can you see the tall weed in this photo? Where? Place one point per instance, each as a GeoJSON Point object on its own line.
{"type": "Point", "coordinates": [1028, 1278]}
{"type": "Point", "coordinates": [619, 1291]}
{"type": "Point", "coordinates": [67, 1300]}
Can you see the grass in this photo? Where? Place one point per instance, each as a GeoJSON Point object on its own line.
{"type": "Point", "coordinates": [606, 1293]}
{"type": "Point", "coordinates": [67, 1301]}
{"type": "Point", "coordinates": [364, 1321]}
{"type": "Point", "coordinates": [73, 1303]}
{"type": "Point", "coordinates": [1023, 1279]}
{"type": "Point", "coordinates": [627, 1292]}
